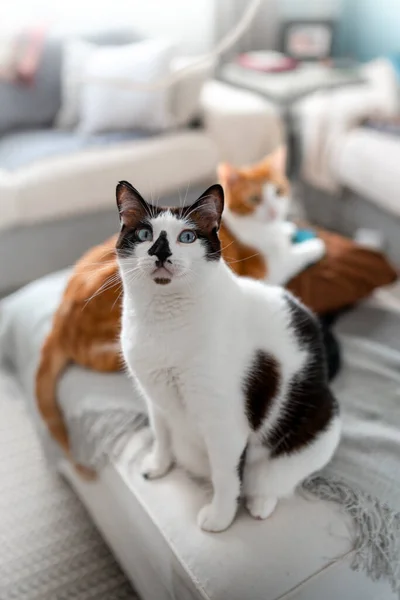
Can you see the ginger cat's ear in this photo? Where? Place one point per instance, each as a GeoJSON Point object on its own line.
{"type": "Point", "coordinates": [131, 205]}
{"type": "Point", "coordinates": [227, 174]}
{"type": "Point", "coordinates": [277, 160]}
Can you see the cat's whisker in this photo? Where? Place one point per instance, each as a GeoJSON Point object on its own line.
{"type": "Point", "coordinates": [137, 274]}
{"type": "Point", "coordinates": [184, 200]}
{"type": "Point", "coordinates": [102, 290]}
{"type": "Point", "coordinates": [197, 208]}
{"type": "Point", "coordinates": [232, 262]}
{"type": "Point", "coordinates": [108, 284]}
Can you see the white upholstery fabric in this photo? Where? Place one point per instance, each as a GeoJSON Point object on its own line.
{"type": "Point", "coordinates": [243, 125]}
{"type": "Point", "coordinates": [325, 118]}
{"type": "Point", "coordinates": [185, 93]}
{"type": "Point", "coordinates": [239, 127]}
{"type": "Point", "coordinates": [108, 106]}
{"type": "Point", "coordinates": [86, 181]}
{"type": "Point", "coordinates": [301, 553]}
{"type": "Point", "coordinates": [369, 164]}
{"type": "Point", "coordinates": [8, 200]}
{"type": "Point", "coordinates": [75, 56]}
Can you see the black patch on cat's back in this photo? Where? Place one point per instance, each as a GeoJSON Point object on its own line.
{"type": "Point", "coordinates": [310, 405]}
{"type": "Point", "coordinates": [260, 387]}
{"type": "Point", "coordinates": [305, 325]}
{"type": "Point", "coordinates": [241, 463]}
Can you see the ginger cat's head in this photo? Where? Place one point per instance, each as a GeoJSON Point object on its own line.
{"type": "Point", "coordinates": [260, 191]}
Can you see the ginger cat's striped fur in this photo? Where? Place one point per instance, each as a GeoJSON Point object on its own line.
{"type": "Point", "coordinates": [86, 325]}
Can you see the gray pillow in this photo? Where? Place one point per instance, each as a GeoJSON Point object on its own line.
{"type": "Point", "coordinates": [36, 105]}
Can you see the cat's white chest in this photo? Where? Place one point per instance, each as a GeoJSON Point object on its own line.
{"type": "Point", "coordinates": [151, 343]}
{"type": "Point", "coordinates": [186, 439]}
{"type": "Point", "coordinates": [268, 238]}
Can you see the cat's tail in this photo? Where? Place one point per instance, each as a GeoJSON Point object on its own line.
{"type": "Point", "coordinates": [53, 361]}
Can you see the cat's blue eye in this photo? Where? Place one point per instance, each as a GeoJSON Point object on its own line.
{"type": "Point", "coordinates": [144, 234]}
{"type": "Point", "coordinates": [187, 236]}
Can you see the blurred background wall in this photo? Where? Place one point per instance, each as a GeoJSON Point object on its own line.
{"type": "Point", "coordinates": [369, 28]}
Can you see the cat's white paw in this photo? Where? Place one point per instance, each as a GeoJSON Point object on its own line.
{"type": "Point", "coordinates": [316, 249]}
{"type": "Point", "coordinates": [155, 465]}
{"type": "Point", "coordinates": [261, 507]}
{"type": "Point", "coordinates": [210, 519]}
{"type": "Point", "coordinates": [289, 228]}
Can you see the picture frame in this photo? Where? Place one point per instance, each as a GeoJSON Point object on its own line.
{"type": "Point", "coordinates": [310, 40]}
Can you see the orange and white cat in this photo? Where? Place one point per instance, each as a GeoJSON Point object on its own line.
{"type": "Point", "coordinates": [257, 201]}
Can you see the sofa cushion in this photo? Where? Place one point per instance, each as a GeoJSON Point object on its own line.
{"type": "Point", "coordinates": [369, 164]}
{"type": "Point", "coordinates": [85, 181]}
{"type": "Point", "coordinates": [37, 104]}
{"type": "Point", "coordinates": [111, 106]}
{"type": "Point", "coordinates": [25, 147]}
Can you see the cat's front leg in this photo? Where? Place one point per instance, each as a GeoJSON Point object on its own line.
{"type": "Point", "coordinates": [289, 228]}
{"type": "Point", "coordinates": [225, 449]}
{"type": "Point", "coordinates": [299, 257]}
{"type": "Point", "coordinates": [159, 460]}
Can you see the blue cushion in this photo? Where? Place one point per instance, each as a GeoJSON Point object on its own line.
{"type": "Point", "coordinates": [24, 147]}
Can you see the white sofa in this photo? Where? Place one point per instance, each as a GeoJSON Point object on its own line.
{"type": "Point", "coordinates": [303, 552]}
{"type": "Point", "coordinates": [54, 209]}
{"type": "Point", "coordinates": [351, 171]}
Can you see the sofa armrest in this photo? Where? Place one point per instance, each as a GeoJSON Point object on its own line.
{"type": "Point", "coordinates": [243, 125]}
{"type": "Point", "coordinates": [325, 119]}
{"type": "Point", "coordinates": [8, 201]}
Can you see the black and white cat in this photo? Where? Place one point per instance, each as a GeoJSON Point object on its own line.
{"type": "Point", "coordinates": [232, 369]}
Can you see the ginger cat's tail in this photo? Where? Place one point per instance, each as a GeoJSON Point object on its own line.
{"type": "Point", "coordinates": [52, 363]}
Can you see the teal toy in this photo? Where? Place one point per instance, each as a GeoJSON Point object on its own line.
{"type": "Point", "coordinates": [302, 235]}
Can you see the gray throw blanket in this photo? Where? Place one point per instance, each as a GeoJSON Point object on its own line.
{"type": "Point", "coordinates": [364, 476]}
{"type": "Point", "coordinates": [103, 412]}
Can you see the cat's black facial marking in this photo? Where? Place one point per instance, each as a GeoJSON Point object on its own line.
{"type": "Point", "coordinates": [261, 386]}
{"type": "Point", "coordinates": [211, 244]}
{"type": "Point", "coordinates": [310, 405]}
{"type": "Point", "coordinates": [161, 249]}
{"type": "Point", "coordinates": [127, 239]}
{"type": "Point", "coordinates": [204, 215]}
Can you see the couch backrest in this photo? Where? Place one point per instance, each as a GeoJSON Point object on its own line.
{"type": "Point", "coordinates": [36, 105]}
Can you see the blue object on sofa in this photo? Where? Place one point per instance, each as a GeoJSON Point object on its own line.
{"type": "Point", "coordinates": [300, 235]}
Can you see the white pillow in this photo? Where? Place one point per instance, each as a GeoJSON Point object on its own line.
{"type": "Point", "coordinates": [110, 107]}
{"type": "Point", "coordinates": [76, 54]}
{"type": "Point", "coordinates": [185, 93]}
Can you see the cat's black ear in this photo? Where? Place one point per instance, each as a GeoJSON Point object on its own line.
{"type": "Point", "coordinates": [131, 204]}
{"type": "Point", "coordinates": [207, 210]}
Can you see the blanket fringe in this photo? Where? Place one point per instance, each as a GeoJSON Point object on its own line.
{"type": "Point", "coordinates": [376, 545]}
{"type": "Point", "coordinates": [377, 536]}
{"type": "Point", "coordinates": [95, 438]}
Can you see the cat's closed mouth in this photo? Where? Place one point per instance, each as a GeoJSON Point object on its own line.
{"type": "Point", "coordinates": [162, 275]}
